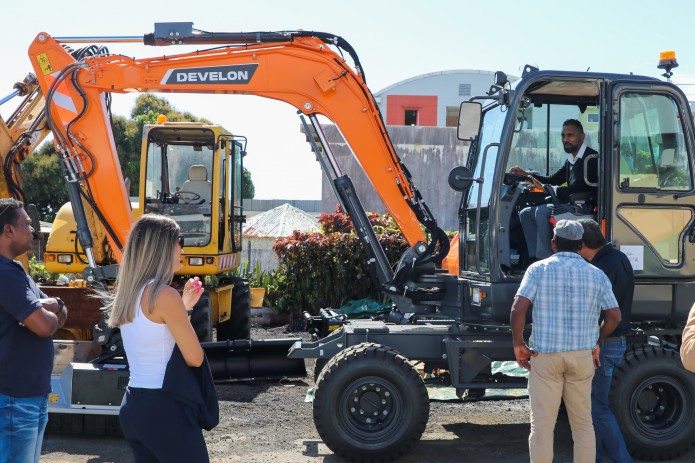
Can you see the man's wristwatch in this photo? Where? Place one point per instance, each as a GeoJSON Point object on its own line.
{"type": "Point", "coordinates": [60, 303]}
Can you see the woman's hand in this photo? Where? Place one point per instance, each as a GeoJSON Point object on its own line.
{"type": "Point", "coordinates": [192, 291]}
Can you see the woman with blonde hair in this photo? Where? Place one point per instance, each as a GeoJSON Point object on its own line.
{"type": "Point", "coordinates": [153, 319]}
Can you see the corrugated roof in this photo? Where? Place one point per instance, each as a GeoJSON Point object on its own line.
{"type": "Point", "coordinates": [278, 222]}
{"type": "Point", "coordinates": [307, 205]}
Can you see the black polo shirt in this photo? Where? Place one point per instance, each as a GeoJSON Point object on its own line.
{"type": "Point", "coordinates": [617, 268]}
{"type": "Point", "coordinates": [26, 360]}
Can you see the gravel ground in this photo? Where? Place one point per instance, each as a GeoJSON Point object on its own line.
{"type": "Point", "coordinates": [271, 422]}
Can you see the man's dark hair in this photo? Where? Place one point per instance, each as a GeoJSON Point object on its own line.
{"type": "Point", "coordinates": [565, 245]}
{"type": "Point", "coordinates": [593, 236]}
{"type": "Point", "coordinates": [575, 123]}
{"type": "Point", "coordinates": [9, 208]}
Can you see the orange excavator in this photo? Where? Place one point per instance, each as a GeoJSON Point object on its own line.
{"type": "Point", "coordinates": [295, 67]}
{"type": "Point", "coordinates": [300, 68]}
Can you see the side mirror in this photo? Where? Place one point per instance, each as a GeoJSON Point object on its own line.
{"type": "Point", "coordinates": [461, 178]}
{"type": "Point", "coordinates": [470, 114]}
{"type": "Point", "coordinates": [501, 79]}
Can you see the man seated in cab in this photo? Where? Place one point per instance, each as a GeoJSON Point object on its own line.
{"type": "Point", "coordinates": [535, 220]}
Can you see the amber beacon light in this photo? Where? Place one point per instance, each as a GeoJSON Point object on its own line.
{"type": "Point", "coordinates": [667, 61]}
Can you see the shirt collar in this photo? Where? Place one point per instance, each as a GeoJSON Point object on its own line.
{"type": "Point", "coordinates": [4, 259]}
{"type": "Point", "coordinates": [571, 255]}
{"type": "Point", "coordinates": [580, 154]}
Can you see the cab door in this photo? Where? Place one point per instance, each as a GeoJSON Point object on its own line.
{"type": "Point", "coordinates": [653, 203]}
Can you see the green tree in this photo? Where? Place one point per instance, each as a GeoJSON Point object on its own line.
{"type": "Point", "coordinates": [248, 190]}
{"type": "Point", "coordinates": [43, 182]}
{"type": "Point", "coordinates": [148, 103]}
{"type": "Point", "coordinates": [128, 138]}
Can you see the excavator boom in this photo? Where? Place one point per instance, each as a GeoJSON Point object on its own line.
{"type": "Point", "coordinates": [298, 68]}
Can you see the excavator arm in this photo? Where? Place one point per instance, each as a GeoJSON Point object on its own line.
{"type": "Point", "coordinates": [20, 135]}
{"type": "Point", "coordinates": [299, 68]}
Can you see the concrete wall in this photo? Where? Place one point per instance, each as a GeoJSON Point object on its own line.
{"type": "Point", "coordinates": [260, 250]}
{"type": "Point", "coordinates": [429, 153]}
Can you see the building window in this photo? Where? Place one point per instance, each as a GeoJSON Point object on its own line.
{"type": "Point", "coordinates": [410, 117]}
{"type": "Point", "coordinates": [452, 116]}
{"type": "Point", "coordinates": [464, 89]}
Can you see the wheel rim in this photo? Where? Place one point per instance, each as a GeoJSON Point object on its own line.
{"type": "Point", "coordinates": [660, 407]}
{"type": "Point", "coordinates": [371, 409]}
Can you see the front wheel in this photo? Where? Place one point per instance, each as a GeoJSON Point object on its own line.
{"type": "Point", "coordinates": [653, 399]}
{"type": "Point", "coordinates": [370, 404]}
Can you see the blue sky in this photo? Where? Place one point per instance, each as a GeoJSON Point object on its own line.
{"type": "Point", "coordinates": [395, 41]}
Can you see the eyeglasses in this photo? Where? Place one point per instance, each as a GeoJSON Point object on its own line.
{"type": "Point", "coordinates": [181, 241]}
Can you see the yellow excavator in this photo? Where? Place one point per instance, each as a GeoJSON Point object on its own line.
{"type": "Point", "coordinates": [191, 172]}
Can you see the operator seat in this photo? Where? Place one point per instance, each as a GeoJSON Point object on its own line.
{"type": "Point", "coordinates": [197, 184]}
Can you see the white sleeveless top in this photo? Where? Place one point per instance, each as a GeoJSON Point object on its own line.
{"type": "Point", "coordinates": [148, 346]}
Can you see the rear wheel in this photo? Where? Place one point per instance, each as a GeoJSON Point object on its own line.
{"type": "Point", "coordinates": [239, 324]}
{"type": "Point", "coordinates": [201, 318]}
{"type": "Point", "coordinates": [653, 399]}
{"type": "Point", "coordinates": [370, 404]}
{"type": "Point", "coordinates": [318, 368]}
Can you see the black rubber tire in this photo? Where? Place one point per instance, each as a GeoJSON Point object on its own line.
{"type": "Point", "coordinates": [201, 318]}
{"type": "Point", "coordinates": [318, 368]}
{"type": "Point", "coordinates": [239, 324]}
{"type": "Point", "coordinates": [653, 398]}
{"type": "Point", "coordinates": [382, 383]}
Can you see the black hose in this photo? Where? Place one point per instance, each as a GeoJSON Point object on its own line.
{"type": "Point", "coordinates": [13, 156]}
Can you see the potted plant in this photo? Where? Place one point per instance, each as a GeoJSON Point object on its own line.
{"type": "Point", "coordinates": [259, 281]}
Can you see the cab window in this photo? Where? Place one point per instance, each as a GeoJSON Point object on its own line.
{"type": "Point", "coordinates": [653, 152]}
{"type": "Point", "coordinates": [537, 143]}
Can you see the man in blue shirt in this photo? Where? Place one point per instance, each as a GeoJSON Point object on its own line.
{"type": "Point", "coordinates": [568, 296]}
{"type": "Point", "coordinates": [617, 268]}
{"type": "Point", "coordinates": [28, 319]}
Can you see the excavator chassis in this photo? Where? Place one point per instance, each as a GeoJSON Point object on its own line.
{"type": "Point", "coordinates": [82, 385]}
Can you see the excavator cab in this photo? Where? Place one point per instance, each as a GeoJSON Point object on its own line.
{"type": "Point", "coordinates": [191, 172]}
{"type": "Point", "coordinates": [641, 128]}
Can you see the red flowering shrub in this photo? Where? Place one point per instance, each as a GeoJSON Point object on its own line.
{"type": "Point", "coordinates": [329, 268]}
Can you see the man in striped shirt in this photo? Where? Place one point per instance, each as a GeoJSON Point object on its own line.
{"type": "Point", "coordinates": [568, 295]}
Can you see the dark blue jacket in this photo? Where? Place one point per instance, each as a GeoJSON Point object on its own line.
{"type": "Point", "coordinates": [618, 269]}
{"type": "Point", "coordinates": [194, 388]}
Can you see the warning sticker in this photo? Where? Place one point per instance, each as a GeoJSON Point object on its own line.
{"type": "Point", "coordinates": [44, 64]}
{"type": "Point", "coordinates": [53, 398]}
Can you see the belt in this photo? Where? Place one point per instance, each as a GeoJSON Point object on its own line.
{"type": "Point", "coordinates": [615, 339]}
